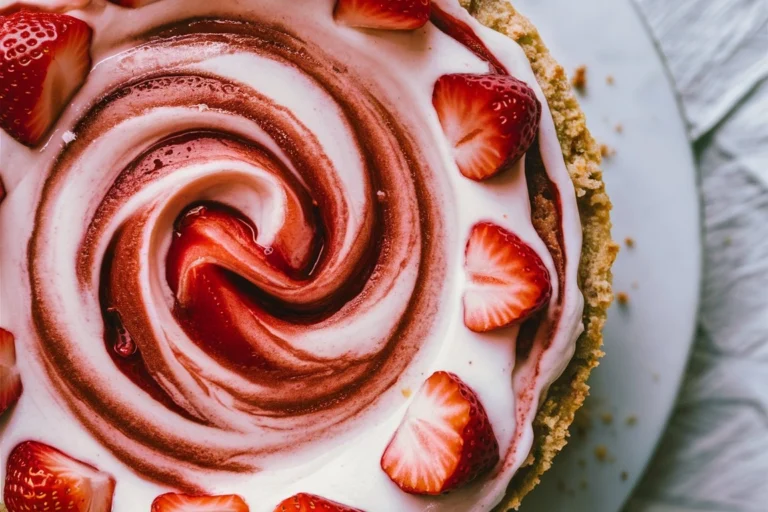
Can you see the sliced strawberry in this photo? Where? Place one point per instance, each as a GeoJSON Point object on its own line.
{"type": "Point", "coordinates": [42, 5]}
{"type": "Point", "coordinates": [133, 3]}
{"type": "Point", "coordinates": [39, 477]}
{"type": "Point", "coordinates": [10, 381]}
{"type": "Point", "coordinates": [489, 120]}
{"type": "Point", "coordinates": [172, 502]}
{"type": "Point", "coordinates": [444, 441]}
{"type": "Point", "coordinates": [44, 59]}
{"type": "Point", "coordinates": [507, 279]}
{"type": "Point", "coordinates": [303, 502]}
{"type": "Point", "coordinates": [383, 14]}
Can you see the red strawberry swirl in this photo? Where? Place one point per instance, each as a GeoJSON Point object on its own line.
{"type": "Point", "coordinates": [256, 282]}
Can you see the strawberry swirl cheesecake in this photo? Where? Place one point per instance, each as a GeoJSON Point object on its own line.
{"type": "Point", "coordinates": [342, 255]}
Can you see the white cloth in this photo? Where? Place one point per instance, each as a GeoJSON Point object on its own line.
{"type": "Point", "coordinates": [714, 455]}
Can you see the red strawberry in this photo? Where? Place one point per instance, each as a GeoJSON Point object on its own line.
{"type": "Point", "coordinates": [507, 279]}
{"type": "Point", "coordinates": [42, 5]}
{"type": "Point", "coordinates": [383, 14]}
{"type": "Point", "coordinates": [172, 502]}
{"type": "Point", "coordinates": [489, 120]}
{"type": "Point", "coordinates": [41, 478]}
{"type": "Point", "coordinates": [303, 502]}
{"type": "Point", "coordinates": [10, 381]}
{"type": "Point", "coordinates": [44, 58]}
{"type": "Point", "coordinates": [444, 441]}
{"type": "Point", "coordinates": [133, 3]}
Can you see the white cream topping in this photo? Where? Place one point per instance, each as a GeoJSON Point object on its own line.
{"type": "Point", "coordinates": [405, 66]}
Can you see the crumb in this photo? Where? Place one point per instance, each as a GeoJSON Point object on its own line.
{"type": "Point", "coordinates": [381, 196]}
{"type": "Point", "coordinates": [406, 392]}
{"type": "Point", "coordinates": [580, 78]}
{"type": "Point", "coordinates": [470, 362]}
{"type": "Point", "coordinates": [606, 418]}
{"type": "Point", "coordinates": [619, 128]}
{"type": "Point", "coordinates": [601, 452]}
{"type": "Point", "coordinates": [624, 476]}
{"type": "Point", "coordinates": [610, 80]}
{"type": "Point", "coordinates": [582, 422]}
{"type": "Point", "coordinates": [202, 107]}
{"type": "Point", "coordinates": [583, 484]}
{"type": "Point", "coordinates": [630, 242]}
{"type": "Point", "coordinates": [622, 298]}
{"type": "Point", "coordinates": [68, 137]}
{"type": "Point", "coordinates": [631, 420]}
{"type": "Point", "coordinates": [606, 151]}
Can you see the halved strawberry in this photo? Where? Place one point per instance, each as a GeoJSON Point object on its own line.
{"type": "Point", "coordinates": [444, 441]}
{"type": "Point", "coordinates": [172, 502]}
{"type": "Point", "coordinates": [383, 14]}
{"type": "Point", "coordinates": [507, 281]}
{"type": "Point", "coordinates": [39, 477]}
{"type": "Point", "coordinates": [10, 381]}
{"type": "Point", "coordinates": [7, 7]}
{"type": "Point", "coordinates": [44, 59]}
{"type": "Point", "coordinates": [303, 502]}
{"type": "Point", "coordinates": [133, 3]}
{"type": "Point", "coordinates": [489, 120]}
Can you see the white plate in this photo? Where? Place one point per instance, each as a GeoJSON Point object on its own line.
{"type": "Point", "coordinates": [653, 184]}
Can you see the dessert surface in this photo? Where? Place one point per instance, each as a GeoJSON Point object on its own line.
{"type": "Point", "coordinates": [259, 246]}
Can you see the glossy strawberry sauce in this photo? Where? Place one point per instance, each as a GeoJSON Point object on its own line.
{"type": "Point", "coordinates": [213, 262]}
{"type": "Point", "coordinates": [208, 286]}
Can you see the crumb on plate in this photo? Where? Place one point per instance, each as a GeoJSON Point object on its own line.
{"type": "Point", "coordinates": [579, 80]}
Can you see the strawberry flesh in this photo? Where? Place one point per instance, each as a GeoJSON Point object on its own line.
{"type": "Point", "coordinates": [508, 282]}
{"type": "Point", "coordinates": [39, 477]}
{"type": "Point", "coordinates": [490, 121]}
{"type": "Point", "coordinates": [172, 502]}
{"type": "Point", "coordinates": [304, 502]}
{"type": "Point", "coordinates": [44, 59]}
{"type": "Point", "coordinates": [383, 14]}
{"type": "Point", "coordinates": [445, 440]}
{"type": "Point", "coordinates": [10, 380]}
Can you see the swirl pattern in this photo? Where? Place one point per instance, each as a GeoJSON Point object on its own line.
{"type": "Point", "coordinates": [202, 192]}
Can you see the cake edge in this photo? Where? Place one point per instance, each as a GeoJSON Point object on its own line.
{"type": "Point", "coordinates": [583, 159]}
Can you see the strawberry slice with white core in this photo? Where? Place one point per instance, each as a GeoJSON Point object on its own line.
{"type": "Point", "coordinates": [507, 281]}
{"type": "Point", "coordinates": [172, 502]}
{"type": "Point", "coordinates": [10, 380]}
{"type": "Point", "coordinates": [41, 478]}
{"type": "Point", "coordinates": [444, 441]}
{"type": "Point", "coordinates": [44, 59]}
{"type": "Point", "coordinates": [7, 7]}
{"type": "Point", "coordinates": [304, 502]}
{"type": "Point", "coordinates": [489, 120]}
{"type": "Point", "coordinates": [133, 3]}
{"type": "Point", "coordinates": [383, 14]}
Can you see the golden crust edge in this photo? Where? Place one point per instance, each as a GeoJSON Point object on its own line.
{"type": "Point", "coordinates": [582, 157]}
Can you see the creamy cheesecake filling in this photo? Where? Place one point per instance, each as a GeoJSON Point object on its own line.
{"type": "Point", "coordinates": [322, 141]}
